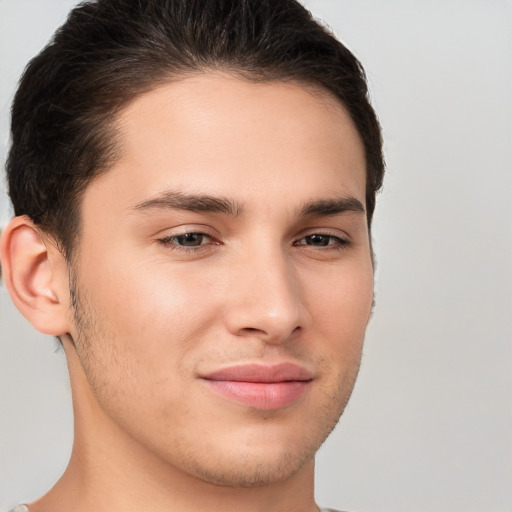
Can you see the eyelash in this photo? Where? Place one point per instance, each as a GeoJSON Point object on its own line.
{"type": "Point", "coordinates": [339, 243]}
{"type": "Point", "coordinates": [171, 242]}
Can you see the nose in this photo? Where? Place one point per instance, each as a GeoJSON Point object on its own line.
{"type": "Point", "coordinates": [265, 299]}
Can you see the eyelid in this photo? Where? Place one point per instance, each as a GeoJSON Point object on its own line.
{"type": "Point", "coordinates": [185, 229]}
{"type": "Point", "coordinates": [334, 232]}
{"type": "Point", "coordinates": [342, 239]}
{"type": "Point", "coordinates": [180, 235]}
{"type": "Point", "coordinates": [166, 239]}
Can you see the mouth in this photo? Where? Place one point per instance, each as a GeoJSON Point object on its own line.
{"type": "Point", "coordinates": [258, 386]}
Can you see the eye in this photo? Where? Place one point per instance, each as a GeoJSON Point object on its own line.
{"type": "Point", "coordinates": [186, 240]}
{"type": "Point", "coordinates": [323, 240]}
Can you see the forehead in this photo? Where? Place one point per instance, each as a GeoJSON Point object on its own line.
{"type": "Point", "coordinates": [250, 140]}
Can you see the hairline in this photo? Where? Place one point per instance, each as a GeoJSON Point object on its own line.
{"type": "Point", "coordinates": [113, 132]}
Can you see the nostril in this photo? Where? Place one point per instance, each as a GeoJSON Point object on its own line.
{"type": "Point", "coordinates": [270, 334]}
{"type": "Point", "coordinates": [251, 330]}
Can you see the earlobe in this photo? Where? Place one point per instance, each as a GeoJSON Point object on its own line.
{"type": "Point", "coordinates": [34, 274]}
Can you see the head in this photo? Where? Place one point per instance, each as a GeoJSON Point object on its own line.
{"type": "Point", "coordinates": [108, 53]}
{"type": "Point", "coordinates": [200, 179]}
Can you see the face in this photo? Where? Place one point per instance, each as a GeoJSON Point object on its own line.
{"type": "Point", "coordinates": [224, 281]}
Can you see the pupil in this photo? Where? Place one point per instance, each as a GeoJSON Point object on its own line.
{"type": "Point", "coordinates": [190, 239]}
{"type": "Point", "coordinates": [319, 240]}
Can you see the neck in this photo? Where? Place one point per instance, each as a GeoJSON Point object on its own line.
{"type": "Point", "coordinates": [110, 470]}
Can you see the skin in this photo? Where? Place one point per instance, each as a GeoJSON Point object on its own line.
{"type": "Point", "coordinates": [262, 284]}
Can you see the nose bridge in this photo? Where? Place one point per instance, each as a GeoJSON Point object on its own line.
{"type": "Point", "coordinates": [266, 301]}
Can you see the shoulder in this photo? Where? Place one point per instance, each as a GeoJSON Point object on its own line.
{"type": "Point", "coordinates": [23, 508]}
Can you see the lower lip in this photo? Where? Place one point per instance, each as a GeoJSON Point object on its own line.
{"type": "Point", "coordinates": [260, 395]}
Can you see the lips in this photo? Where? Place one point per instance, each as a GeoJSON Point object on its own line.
{"type": "Point", "coordinates": [264, 387]}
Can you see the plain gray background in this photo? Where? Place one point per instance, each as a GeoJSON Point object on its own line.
{"type": "Point", "coordinates": [429, 426]}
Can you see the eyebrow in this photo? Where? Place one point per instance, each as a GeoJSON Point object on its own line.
{"type": "Point", "coordinates": [174, 200]}
{"type": "Point", "coordinates": [326, 207]}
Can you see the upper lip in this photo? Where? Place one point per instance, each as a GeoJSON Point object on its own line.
{"type": "Point", "coordinates": [264, 373]}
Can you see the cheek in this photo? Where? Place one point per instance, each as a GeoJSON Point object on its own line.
{"type": "Point", "coordinates": [340, 311]}
{"type": "Point", "coordinates": [341, 303]}
{"type": "Point", "coordinates": [151, 310]}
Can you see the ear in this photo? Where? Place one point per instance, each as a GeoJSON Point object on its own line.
{"type": "Point", "coordinates": [36, 276]}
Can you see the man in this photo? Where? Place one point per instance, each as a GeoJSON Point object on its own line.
{"type": "Point", "coordinates": [193, 184]}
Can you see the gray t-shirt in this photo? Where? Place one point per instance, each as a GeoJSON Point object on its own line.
{"type": "Point", "coordinates": [23, 508]}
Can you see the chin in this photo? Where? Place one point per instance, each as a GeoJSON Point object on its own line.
{"type": "Point", "coordinates": [259, 457]}
{"type": "Point", "coordinates": [269, 451]}
{"type": "Point", "coordinates": [253, 473]}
